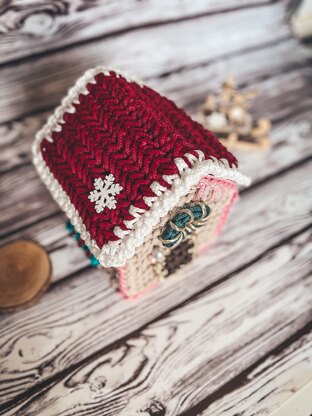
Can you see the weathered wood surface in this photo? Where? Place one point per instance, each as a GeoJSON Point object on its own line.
{"type": "Point", "coordinates": [93, 315]}
{"type": "Point", "coordinates": [241, 319]}
{"type": "Point", "coordinates": [186, 87]}
{"type": "Point", "coordinates": [148, 53]}
{"type": "Point", "coordinates": [272, 382]}
{"type": "Point", "coordinates": [19, 134]}
{"type": "Point", "coordinates": [210, 341]}
{"type": "Point", "coordinates": [41, 26]}
{"type": "Point", "coordinates": [187, 90]}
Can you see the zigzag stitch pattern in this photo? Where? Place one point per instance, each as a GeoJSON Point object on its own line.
{"type": "Point", "coordinates": [108, 124]}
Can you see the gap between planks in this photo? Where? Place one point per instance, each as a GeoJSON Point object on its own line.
{"type": "Point", "coordinates": [186, 89]}
{"type": "Point", "coordinates": [239, 321]}
{"type": "Point", "coordinates": [40, 29]}
{"type": "Point", "coordinates": [41, 82]}
{"type": "Point", "coordinates": [267, 384]}
{"type": "Point", "coordinates": [88, 309]}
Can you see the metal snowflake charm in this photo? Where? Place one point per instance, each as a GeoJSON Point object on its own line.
{"type": "Point", "coordinates": [104, 193]}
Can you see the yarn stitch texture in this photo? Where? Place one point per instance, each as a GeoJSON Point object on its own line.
{"type": "Point", "coordinates": [109, 124]}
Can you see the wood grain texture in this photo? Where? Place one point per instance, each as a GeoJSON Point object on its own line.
{"type": "Point", "coordinates": [270, 384]}
{"type": "Point", "coordinates": [80, 315]}
{"type": "Point", "coordinates": [163, 364]}
{"type": "Point", "coordinates": [16, 139]}
{"type": "Point", "coordinates": [209, 341]}
{"type": "Point", "coordinates": [190, 87]}
{"type": "Point", "coordinates": [40, 82]}
{"type": "Point", "coordinates": [33, 27]}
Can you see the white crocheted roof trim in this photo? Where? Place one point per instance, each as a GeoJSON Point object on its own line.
{"type": "Point", "coordinates": [115, 253]}
{"type": "Point", "coordinates": [56, 120]}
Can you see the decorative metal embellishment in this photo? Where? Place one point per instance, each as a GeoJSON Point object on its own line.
{"type": "Point", "coordinates": [183, 223]}
{"type": "Point", "coordinates": [104, 193]}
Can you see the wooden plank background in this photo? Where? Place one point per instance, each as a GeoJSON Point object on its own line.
{"type": "Point", "coordinates": [232, 334]}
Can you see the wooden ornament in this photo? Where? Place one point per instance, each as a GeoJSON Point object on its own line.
{"type": "Point", "coordinates": [25, 273]}
{"type": "Point", "coordinates": [226, 114]}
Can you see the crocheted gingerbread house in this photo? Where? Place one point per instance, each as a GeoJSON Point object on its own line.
{"type": "Point", "coordinates": [144, 186]}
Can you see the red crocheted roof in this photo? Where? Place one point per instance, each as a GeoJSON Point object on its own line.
{"type": "Point", "coordinates": [120, 128]}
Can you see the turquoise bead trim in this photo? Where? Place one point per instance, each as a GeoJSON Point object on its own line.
{"type": "Point", "coordinates": [69, 226]}
{"type": "Point", "coordinates": [93, 261]}
{"type": "Point", "coordinates": [71, 230]}
{"type": "Point", "coordinates": [183, 223]}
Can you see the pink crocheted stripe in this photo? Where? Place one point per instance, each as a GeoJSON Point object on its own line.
{"type": "Point", "coordinates": [222, 186]}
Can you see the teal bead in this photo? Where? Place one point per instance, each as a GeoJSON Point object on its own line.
{"type": "Point", "coordinates": [198, 212]}
{"type": "Point", "coordinates": [77, 236]}
{"type": "Point", "coordinates": [69, 226]}
{"type": "Point", "coordinates": [71, 229]}
{"type": "Point", "coordinates": [181, 220]}
{"type": "Point", "coordinates": [94, 261]}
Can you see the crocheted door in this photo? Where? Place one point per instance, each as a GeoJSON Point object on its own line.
{"type": "Point", "coordinates": [144, 187]}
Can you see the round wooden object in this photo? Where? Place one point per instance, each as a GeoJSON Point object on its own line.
{"type": "Point", "coordinates": [25, 271]}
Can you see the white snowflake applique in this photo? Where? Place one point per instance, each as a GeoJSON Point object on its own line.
{"type": "Point", "coordinates": [104, 193]}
